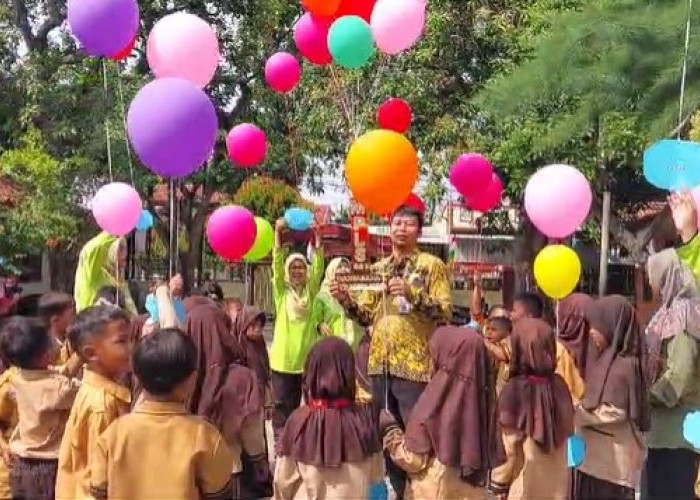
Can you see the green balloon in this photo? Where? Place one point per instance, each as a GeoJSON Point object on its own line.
{"type": "Point", "coordinates": [264, 238]}
{"type": "Point", "coordinates": [350, 42]}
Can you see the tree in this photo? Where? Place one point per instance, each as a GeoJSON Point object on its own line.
{"type": "Point", "coordinates": [268, 198]}
{"type": "Point", "coordinates": [598, 89]}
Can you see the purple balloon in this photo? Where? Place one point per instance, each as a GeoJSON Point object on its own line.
{"type": "Point", "coordinates": [173, 126]}
{"type": "Point", "coordinates": [103, 27]}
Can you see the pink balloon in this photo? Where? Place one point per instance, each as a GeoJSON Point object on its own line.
{"type": "Point", "coordinates": [282, 72]}
{"type": "Point", "coordinates": [310, 37]}
{"type": "Point", "coordinates": [116, 207]}
{"type": "Point", "coordinates": [231, 232]}
{"type": "Point", "coordinates": [557, 200]}
{"type": "Point", "coordinates": [471, 174]}
{"type": "Point", "coordinates": [488, 198]}
{"type": "Point", "coordinates": [246, 145]}
{"type": "Point", "coordinates": [397, 24]}
{"type": "Point", "coordinates": [181, 45]}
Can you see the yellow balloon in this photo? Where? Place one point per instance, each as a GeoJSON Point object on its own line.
{"type": "Point", "coordinates": [557, 270]}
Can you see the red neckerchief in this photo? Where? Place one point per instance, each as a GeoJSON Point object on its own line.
{"type": "Point", "coordinates": [324, 404]}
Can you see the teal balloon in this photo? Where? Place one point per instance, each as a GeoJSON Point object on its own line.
{"type": "Point", "coordinates": [264, 239]}
{"type": "Point", "coordinates": [350, 42]}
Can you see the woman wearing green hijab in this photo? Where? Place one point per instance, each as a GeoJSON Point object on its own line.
{"type": "Point", "coordinates": [332, 315]}
{"type": "Point", "coordinates": [101, 264]}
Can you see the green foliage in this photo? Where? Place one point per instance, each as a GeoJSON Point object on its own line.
{"type": "Point", "coordinates": [44, 209]}
{"type": "Point", "coordinates": [268, 198]}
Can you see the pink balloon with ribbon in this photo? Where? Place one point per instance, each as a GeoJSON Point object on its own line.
{"type": "Point", "coordinates": [282, 72]}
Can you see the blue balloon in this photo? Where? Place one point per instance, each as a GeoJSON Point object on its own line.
{"type": "Point", "coordinates": [673, 164]}
{"type": "Point", "coordinates": [298, 219]}
{"type": "Point", "coordinates": [575, 450]}
{"type": "Point", "coordinates": [378, 491]}
{"type": "Point", "coordinates": [145, 221]}
{"type": "Point", "coordinates": [691, 428]}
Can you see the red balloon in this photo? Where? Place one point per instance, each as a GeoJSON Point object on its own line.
{"type": "Point", "coordinates": [488, 198]}
{"type": "Point", "coordinates": [394, 114]}
{"type": "Point", "coordinates": [361, 8]}
{"type": "Point", "coordinates": [414, 201]}
{"type": "Point", "coordinates": [125, 52]}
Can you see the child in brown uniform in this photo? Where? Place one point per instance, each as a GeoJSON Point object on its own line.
{"type": "Point", "coordinates": [43, 398]}
{"type": "Point", "coordinates": [186, 456]}
{"type": "Point", "coordinates": [101, 335]}
{"type": "Point", "coordinates": [498, 331]}
{"type": "Point", "coordinates": [57, 311]}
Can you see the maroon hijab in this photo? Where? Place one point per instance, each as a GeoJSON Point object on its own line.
{"type": "Point", "coordinates": [452, 419]}
{"type": "Point", "coordinates": [617, 377]}
{"type": "Point", "coordinates": [256, 357]}
{"type": "Point", "coordinates": [573, 328]}
{"type": "Point", "coordinates": [225, 391]}
{"type": "Point", "coordinates": [535, 400]}
{"type": "Point", "coordinates": [330, 429]}
{"type": "Point", "coordinates": [194, 301]}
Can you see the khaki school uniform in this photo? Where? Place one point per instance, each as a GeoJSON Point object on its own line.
{"type": "Point", "coordinates": [250, 437]}
{"type": "Point", "coordinates": [8, 421]}
{"type": "Point", "coordinates": [98, 403]}
{"type": "Point", "coordinates": [529, 473]}
{"type": "Point", "coordinates": [429, 478]}
{"type": "Point", "coordinates": [44, 399]}
{"type": "Point", "coordinates": [159, 452]}
{"type": "Point", "coordinates": [297, 481]}
{"type": "Point", "coordinates": [615, 450]}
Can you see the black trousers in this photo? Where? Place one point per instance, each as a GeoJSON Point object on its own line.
{"type": "Point", "coordinates": [401, 395]}
{"type": "Point", "coordinates": [286, 397]}
{"type": "Point", "coordinates": [669, 474]}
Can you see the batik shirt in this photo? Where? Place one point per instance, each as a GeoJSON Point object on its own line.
{"type": "Point", "coordinates": [400, 341]}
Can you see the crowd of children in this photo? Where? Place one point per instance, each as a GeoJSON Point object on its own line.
{"type": "Point", "coordinates": [172, 405]}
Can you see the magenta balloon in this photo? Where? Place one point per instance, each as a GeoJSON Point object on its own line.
{"type": "Point", "coordinates": [231, 232]}
{"type": "Point", "coordinates": [117, 208]}
{"type": "Point", "coordinates": [182, 45]}
{"type": "Point", "coordinates": [488, 198]}
{"type": "Point", "coordinates": [310, 37]}
{"type": "Point", "coordinates": [103, 28]}
{"type": "Point", "coordinates": [246, 145]}
{"type": "Point", "coordinates": [471, 174]}
{"type": "Point", "coordinates": [282, 72]}
{"type": "Point", "coordinates": [557, 200]}
{"type": "Point", "coordinates": [172, 125]}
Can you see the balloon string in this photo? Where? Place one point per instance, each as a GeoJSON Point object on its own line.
{"type": "Point", "coordinates": [556, 316]}
{"type": "Point", "coordinates": [685, 68]}
{"type": "Point", "coordinates": [342, 97]}
{"type": "Point", "coordinates": [291, 137]}
{"type": "Point", "coordinates": [126, 130]}
{"type": "Point", "coordinates": [107, 134]}
{"type": "Point", "coordinates": [172, 228]}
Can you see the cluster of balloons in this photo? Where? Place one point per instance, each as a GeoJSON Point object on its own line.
{"type": "Point", "coordinates": [557, 200]}
{"type": "Point", "coordinates": [473, 177]}
{"type": "Point", "coordinates": [172, 123]}
{"type": "Point", "coordinates": [346, 31]}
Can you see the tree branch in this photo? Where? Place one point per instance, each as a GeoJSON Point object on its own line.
{"type": "Point", "coordinates": [38, 41]}
{"type": "Point", "coordinates": [632, 243]}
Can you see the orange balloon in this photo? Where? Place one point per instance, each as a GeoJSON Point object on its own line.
{"type": "Point", "coordinates": [321, 8]}
{"type": "Point", "coordinates": [381, 169]}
